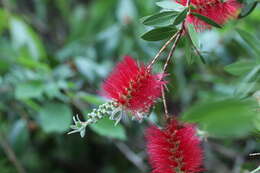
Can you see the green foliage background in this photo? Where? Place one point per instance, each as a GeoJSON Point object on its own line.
{"type": "Point", "coordinates": [54, 55]}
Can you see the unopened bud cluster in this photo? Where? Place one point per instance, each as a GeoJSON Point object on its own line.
{"type": "Point", "coordinates": [103, 110]}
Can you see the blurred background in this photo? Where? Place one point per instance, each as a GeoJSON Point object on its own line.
{"type": "Point", "coordinates": [54, 54]}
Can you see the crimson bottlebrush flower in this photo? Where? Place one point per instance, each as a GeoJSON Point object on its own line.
{"type": "Point", "coordinates": [175, 149]}
{"type": "Point", "coordinates": [217, 10]}
{"type": "Point", "coordinates": [133, 86]}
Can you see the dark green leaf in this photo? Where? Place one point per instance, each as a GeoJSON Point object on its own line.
{"type": "Point", "coordinates": [247, 9]}
{"type": "Point", "coordinates": [207, 20]}
{"type": "Point", "coordinates": [55, 117]}
{"type": "Point", "coordinates": [160, 18]}
{"type": "Point", "coordinates": [159, 33]}
{"type": "Point", "coordinates": [188, 50]}
{"type": "Point", "coordinates": [19, 135]}
{"type": "Point", "coordinates": [181, 17]}
{"type": "Point", "coordinates": [193, 35]}
{"type": "Point", "coordinates": [226, 118]}
{"type": "Point", "coordinates": [202, 58]}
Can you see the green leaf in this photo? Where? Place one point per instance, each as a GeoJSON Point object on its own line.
{"type": "Point", "coordinates": [188, 51]}
{"type": "Point", "coordinates": [207, 20]}
{"type": "Point", "coordinates": [4, 65]}
{"type": "Point", "coordinates": [55, 117]}
{"type": "Point", "coordinates": [19, 135]}
{"type": "Point", "coordinates": [225, 118]}
{"type": "Point", "coordinates": [28, 61]}
{"type": "Point", "coordinates": [3, 20]}
{"type": "Point", "coordinates": [163, 18]}
{"type": "Point", "coordinates": [250, 40]}
{"type": "Point", "coordinates": [247, 9]}
{"type": "Point", "coordinates": [257, 118]}
{"type": "Point", "coordinates": [193, 35]}
{"type": "Point", "coordinates": [159, 33]}
{"type": "Point", "coordinates": [248, 82]}
{"type": "Point", "coordinates": [171, 5]}
{"type": "Point", "coordinates": [181, 17]}
{"type": "Point", "coordinates": [23, 35]}
{"type": "Point", "coordinates": [30, 89]}
{"type": "Point", "coordinates": [202, 58]}
{"type": "Point", "coordinates": [106, 127]}
{"type": "Point", "coordinates": [240, 67]}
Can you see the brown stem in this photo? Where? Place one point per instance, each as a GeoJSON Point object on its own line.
{"type": "Point", "coordinates": [10, 154]}
{"type": "Point", "coordinates": [178, 35]}
{"type": "Point", "coordinates": [172, 50]}
{"type": "Point", "coordinates": [162, 49]}
{"type": "Point", "coordinates": [169, 41]}
{"type": "Point", "coordinates": [188, 3]}
{"type": "Point", "coordinates": [165, 104]}
{"type": "Point", "coordinates": [175, 37]}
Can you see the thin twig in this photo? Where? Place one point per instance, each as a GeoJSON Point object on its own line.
{"type": "Point", "coordinates": [256, 170]}
{"type": "Point", "coordinates": [178, 36]}
{"type": "Point", "coordinates": [164, 70]}
{"type": "Point", "coordinates": [179, 33]}
{"type": "Point", "coordinates": [172, 50]}
{"type": "Point", "coordinates": [10, 154]}
{"type": "Point", "coordinates": [188, 3]}
{"type": "Point", "coordinates": [165, 104]}
{"type": "Point", "coordinates": [131, 156]}
{"type": "Point", "coordinates": [227, 152]}
{"type": "Point", "coordinates": [162, 49]}
{"type": "Point", "coordinates": [254, 154]}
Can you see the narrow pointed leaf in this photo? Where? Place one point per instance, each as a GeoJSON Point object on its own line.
{"type": "Point", "coordinates": [250, 40]}
{"type": "Point", "coordinates": [247, 9]}
{"type": "Point", "coordinates": [171, 5]}
{"type": "Point", "coordinates": [160, 18]}
{"type": "Point", "coordinates": [181, 17]}
{"type": "Point", "coordinates": [240, 67]}
{"type": "Point", "coordinates": [193, 35]}
{"type": "Point", "coordinates": [207, 20]}
{"type": "Point", "coordinates": [159, 33]}
{"type": "Point", "coordinates": [188, 51]}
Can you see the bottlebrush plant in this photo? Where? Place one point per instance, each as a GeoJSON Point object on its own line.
{"type": "Point", "coordinates": [153, 86]}
{"type": "Point", "coordinates": [133, 88]}
{"type": "Point", "coordinates": [176, 148]}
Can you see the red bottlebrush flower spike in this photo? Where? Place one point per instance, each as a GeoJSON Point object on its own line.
{"type": "Point", "coordinates": [175, 149]}
{"type": "Point", "coordinates": [218, 11]}
{"type": "Point", "coordinates": [133, 87]}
